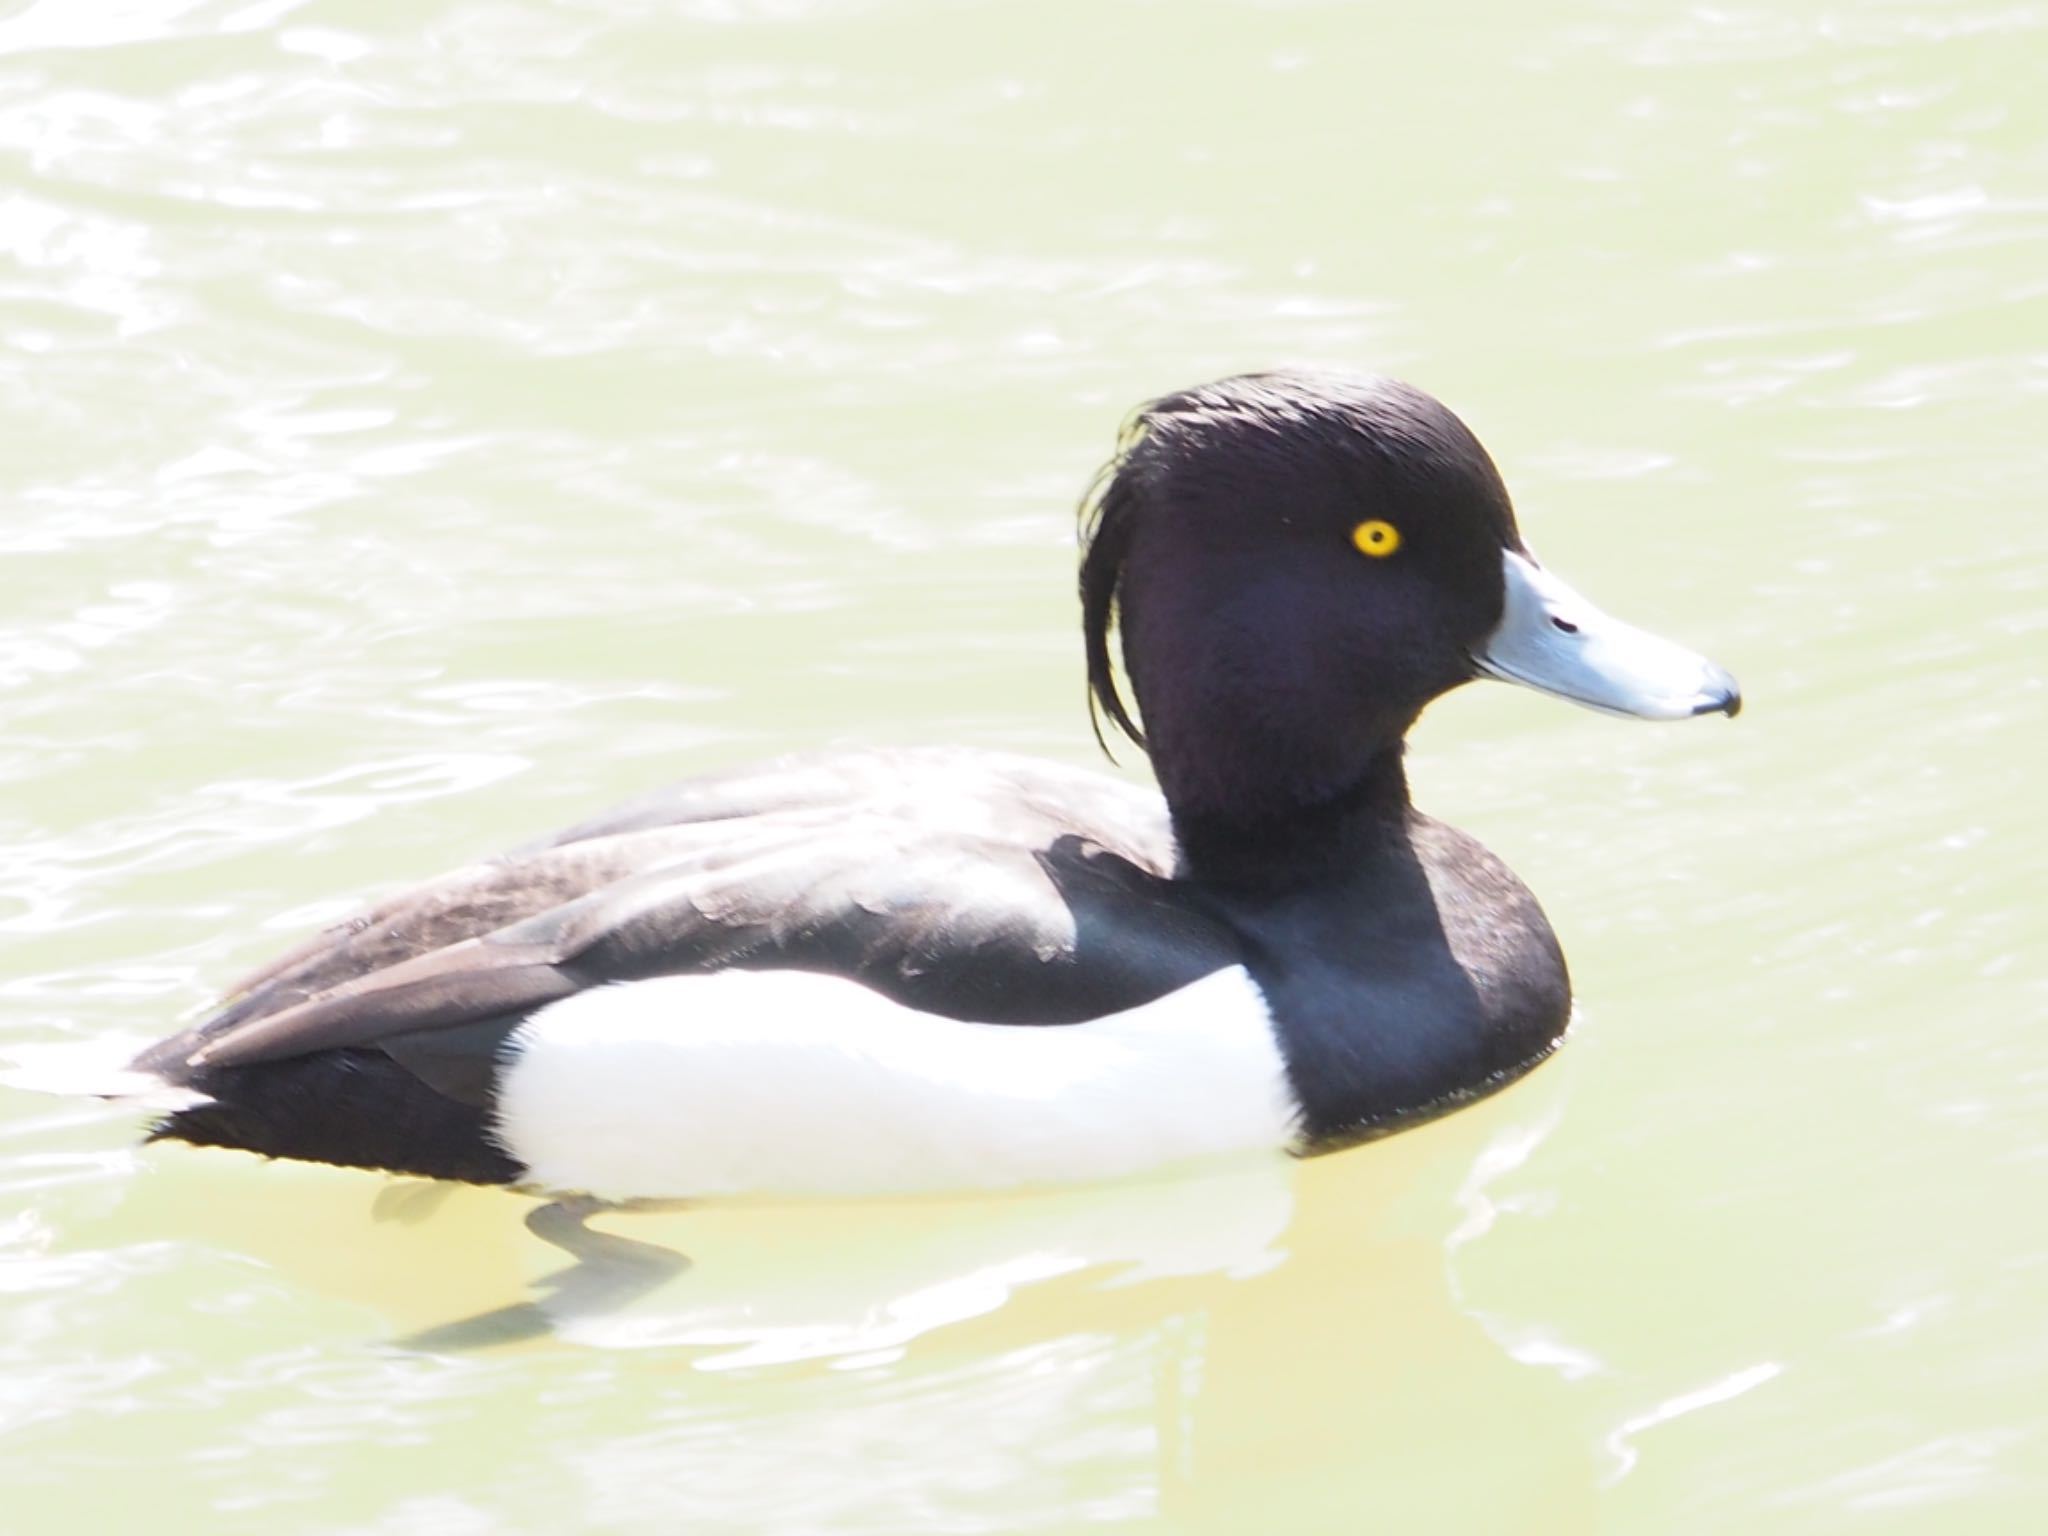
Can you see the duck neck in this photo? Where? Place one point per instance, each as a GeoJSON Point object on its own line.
{"type": "Point", "coordinates": [1302, 845]}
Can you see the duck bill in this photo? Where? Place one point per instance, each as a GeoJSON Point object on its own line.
{"type": "Point", "coordinates": [1551, 639]}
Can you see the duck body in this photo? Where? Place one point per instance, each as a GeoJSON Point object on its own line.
{"type": "Point", "coordinates": [896, 971]}
{"type": "Point", "coordinates": [812, 977]}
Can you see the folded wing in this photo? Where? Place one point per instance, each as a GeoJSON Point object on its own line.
{"type": "Point", "coordinates": [1036, 898]}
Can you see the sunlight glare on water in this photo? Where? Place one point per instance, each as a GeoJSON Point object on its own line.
{"type": "Point", "coordinates": [425, 425]}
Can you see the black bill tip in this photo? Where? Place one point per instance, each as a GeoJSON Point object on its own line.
{"type": "Point", "coordinates": [1721, 696]}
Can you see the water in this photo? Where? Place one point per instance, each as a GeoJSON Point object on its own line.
{"type": "Point", "coordinates": [427, 424]}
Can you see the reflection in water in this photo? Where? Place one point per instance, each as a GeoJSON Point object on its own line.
{"type": "Point", "coordinates": [824, 1290]}
{"type": "Point", "coordinates": [1260, 1345]}
{"type": "Point", "coordinates": [609, 1272]}
{"type": "Point", "coordinates": [1121, 1352]}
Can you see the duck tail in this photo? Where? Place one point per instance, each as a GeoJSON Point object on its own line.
{"type": "Point", "coordinates": [95, 1069]}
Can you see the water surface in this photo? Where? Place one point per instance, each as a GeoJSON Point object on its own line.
{"type": "Point", "coordinates": [426, 424]}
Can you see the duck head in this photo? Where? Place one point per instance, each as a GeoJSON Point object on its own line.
{"type": "Point", "coordinates": [1298, 563]}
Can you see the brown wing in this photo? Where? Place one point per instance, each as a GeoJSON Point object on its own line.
{"type": "Point", "coordinates": [877, 867]}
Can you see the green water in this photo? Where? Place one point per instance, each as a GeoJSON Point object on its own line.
{"type": "Point", "coordinates": [426, 424]}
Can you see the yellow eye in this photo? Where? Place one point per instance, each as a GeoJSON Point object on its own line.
{"type": "Point", "coordinates": [1376, 537]}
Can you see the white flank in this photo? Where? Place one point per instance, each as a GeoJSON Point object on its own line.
{"type": "Point", "coordinates": [794, 1083]}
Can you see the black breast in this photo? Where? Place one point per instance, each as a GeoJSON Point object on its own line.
{"type": "Point", "coordinates": [1425, 976]}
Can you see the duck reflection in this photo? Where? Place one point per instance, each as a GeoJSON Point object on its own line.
{"type": "Point", "coordinates": [1250, 1345]}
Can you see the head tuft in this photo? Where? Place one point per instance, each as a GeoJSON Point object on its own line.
{"type": "Point", "coordinates": [1279, 441]}
{"type": "Point", "coordinates": [1107, 523]}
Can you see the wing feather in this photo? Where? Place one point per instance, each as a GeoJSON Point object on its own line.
{"type": "Point", "coordinates": [879, 868]}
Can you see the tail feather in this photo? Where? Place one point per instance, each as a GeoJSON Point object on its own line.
{"type": "Point", "coordinates": [98, 1069]}
{"type": "Point", "coordinates": [352, 1108]}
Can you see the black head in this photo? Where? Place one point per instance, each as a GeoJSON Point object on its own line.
{"type": "Point", "coordinates": [1297, 564]}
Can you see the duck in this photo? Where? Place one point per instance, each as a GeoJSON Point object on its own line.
{"type": "Point", "coordinates": [900, 971]}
